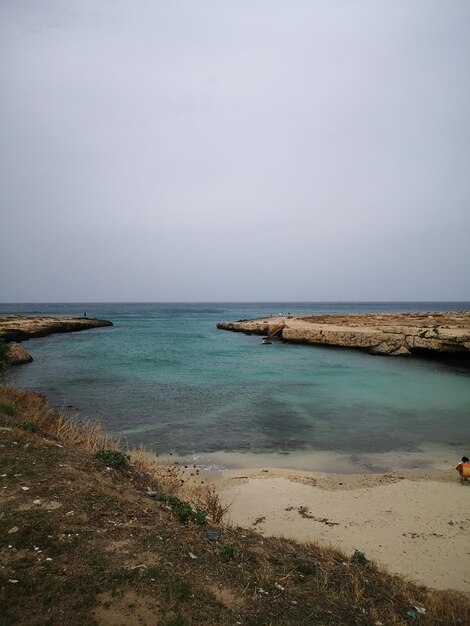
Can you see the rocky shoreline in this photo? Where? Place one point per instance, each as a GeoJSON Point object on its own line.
{"type": "Point", "coordinates": [17, 328]}
{"type": "Point", "coordinates": [390, 334]}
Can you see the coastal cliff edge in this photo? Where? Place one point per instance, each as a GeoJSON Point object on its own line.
{"type": "Point", "coordinates": [391, 334]}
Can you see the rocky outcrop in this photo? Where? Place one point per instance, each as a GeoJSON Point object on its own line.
{"type": "Point", "coordinates": [17, 355]}
{"type": "Point", "coordinates": [20, 328]}
{"type": "Point", "coordinates": [393, 334]}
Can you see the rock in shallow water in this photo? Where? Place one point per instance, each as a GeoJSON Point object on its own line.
{"type": "Point", "coordinates": [17, 355]}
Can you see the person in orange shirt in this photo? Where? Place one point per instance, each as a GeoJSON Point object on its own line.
{"type": "Point", "coordinates": [463, 468]}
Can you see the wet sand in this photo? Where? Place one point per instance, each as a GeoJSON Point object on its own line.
{"type": "Point", "coordinates": [427, 457]}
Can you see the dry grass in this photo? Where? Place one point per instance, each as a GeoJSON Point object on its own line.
{"type": "Point", "coordinates": [183, 481]}
{"type": "Point", "coordinates": [106, 536]}
{"type": "Point", "coordinates": [173, 479]}
{"type": "Point", "coordinates": [161, 477]}
{"type": "Point", "coordinates": [208, 499]}
{"type": "Point", "coordinates": [59, 425]}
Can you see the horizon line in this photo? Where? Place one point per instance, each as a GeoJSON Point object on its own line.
{"type": "Point", "coordinates": [35, 302]}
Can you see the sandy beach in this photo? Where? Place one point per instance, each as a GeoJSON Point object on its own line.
{"type": "Point", "coordinates": [416, 523]}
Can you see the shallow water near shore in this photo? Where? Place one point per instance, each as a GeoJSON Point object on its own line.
{"type": "Point", "coordinates": [164, 376]}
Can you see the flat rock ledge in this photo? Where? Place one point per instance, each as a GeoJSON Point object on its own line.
{"type": "Point", "coordinates": [391, 334]}
{"type": "Point", "coordinates": [21, 328]}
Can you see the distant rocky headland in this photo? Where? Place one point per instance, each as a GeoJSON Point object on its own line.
{"type": "Point", "coordinates": [392, 334]}
{"type": "Point", "coordinates": [14, 328]}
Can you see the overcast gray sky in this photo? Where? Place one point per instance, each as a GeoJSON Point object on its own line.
{"type": "Point", "coordinates": [203, 150]}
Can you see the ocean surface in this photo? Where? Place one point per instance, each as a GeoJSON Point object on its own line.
{"type": "Point", "coordinates": [166, 377]}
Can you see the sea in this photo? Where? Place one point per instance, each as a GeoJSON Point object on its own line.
{"type": "Point", "coordinates": [164, 377]}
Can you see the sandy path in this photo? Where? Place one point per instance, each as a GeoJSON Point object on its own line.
{"type": "Point", "coordinates": [416, 526]}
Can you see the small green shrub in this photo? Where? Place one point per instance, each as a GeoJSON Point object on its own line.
{"type": "Point", "coordinates": [180, 590]}
{"type": "Point", "coordinates": [359, 558]}
{"type": "Point", "coordinates": [152, 572]}
{"type": "Point", "coordinates": [29, 426]}
{"type": "Point", "coordinates": [183, 510]}
{"type": "Point", "coordinates": [124, 575]}
{"type": "Point", "coordinates": [175, 621]}
{"type": "Point", "coordinates": [304, 568]}
{"type": "Point", "coordinates": [227, 552]}
{"type": "Point", "coordinates": [8, 409]}
{"type": "Point", "coordinates": [113, 458]}
{"type": "Point", "coordinates": [4, 361]}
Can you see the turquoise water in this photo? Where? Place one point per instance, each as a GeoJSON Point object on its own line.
{"type": "Point", "coordinates": [166, 377]}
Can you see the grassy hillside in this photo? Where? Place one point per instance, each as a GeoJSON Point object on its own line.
{"type": "Point", "coordinates": [84, 543]}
